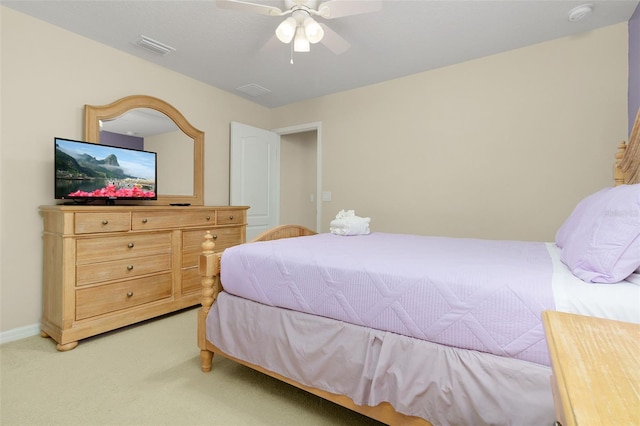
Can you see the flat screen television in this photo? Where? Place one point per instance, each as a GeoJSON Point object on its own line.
{"type": "Point", "coordinates": [86, 172]}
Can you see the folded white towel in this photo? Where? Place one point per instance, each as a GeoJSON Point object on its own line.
{"type": "Point", "coordinates": [342, 214]}
{"type": "Point", "coordinates": [350, 221]}
{"type": "Point", "coordinates": [352, 225]}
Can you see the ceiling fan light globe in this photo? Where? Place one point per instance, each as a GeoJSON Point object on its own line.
{"type": "Point", "coordinates": [286, 30]}
{"type": "Point", "coordinates": [301, 42]}
{"type": "Point", "coordinates": [313, 30]}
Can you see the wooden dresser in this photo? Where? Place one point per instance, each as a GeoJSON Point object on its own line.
{"type": "Point", "coordinates": [110, 266]}
{"type": "Point", "coordinates": [596, 369]}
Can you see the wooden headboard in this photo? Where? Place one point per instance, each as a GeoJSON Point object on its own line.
{"type": "Point", "coordinates": [627, 166]}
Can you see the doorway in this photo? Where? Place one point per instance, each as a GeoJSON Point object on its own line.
{"type": "Point", "coordinates": [298, 179]}
{"type": "Point", "coordinates": [301, 175]}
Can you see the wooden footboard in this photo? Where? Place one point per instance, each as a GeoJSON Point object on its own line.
{"type": "Point", "coordinates": [209, 269]}
{"type": "Point", "coordinates": [284, 231]}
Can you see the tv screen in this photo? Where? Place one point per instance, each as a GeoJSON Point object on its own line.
{"type": "Point", "coordinates": [86, 171]}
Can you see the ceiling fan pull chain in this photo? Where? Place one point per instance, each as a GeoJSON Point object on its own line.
{"type": "Point", "coordinates": [291, 61]}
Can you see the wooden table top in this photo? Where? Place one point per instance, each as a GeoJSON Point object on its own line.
{"type": "Point", "coordinates": [596, 365]}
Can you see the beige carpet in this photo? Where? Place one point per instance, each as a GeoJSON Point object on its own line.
{"type": "Point", "coordinates": [148, 374]}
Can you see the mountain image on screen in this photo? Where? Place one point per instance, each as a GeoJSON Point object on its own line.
{"type": "Point", "coordinates": [88, 166]}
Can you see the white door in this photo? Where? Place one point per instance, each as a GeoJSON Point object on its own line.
{"type": "Point", "coordinates": [255, 176]}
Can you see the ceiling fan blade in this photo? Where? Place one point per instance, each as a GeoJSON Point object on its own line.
{"type": "Point", "coordinates": [245, 6]}
{"type": "Point", "coordinates": [334, 41]}
{"type": "Point", "coordinates": [339, 8]}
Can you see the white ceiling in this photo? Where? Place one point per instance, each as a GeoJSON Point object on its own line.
{"type": "Point", "coordinates": [229, 49]}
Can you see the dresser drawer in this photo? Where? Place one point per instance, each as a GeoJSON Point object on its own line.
{"type": "Point", "coordinates": [103, 299]}
{"type": "Point", "coordinates": [111, 248]}
{"type": "Point", "coordinates": [89, 223]}
{"type": "Point", "coordinates": [191, 280]}
{"type": "Point", "coordinates": [230, 217]}
{"type": "Point", "coordinates": [92, 273]}
{"type": "Point", "coordinates": [222, 237]}
{"type": "Point", "coordinates": [162, 220]}
{"type": "Point", "coordinates": [192, 240]}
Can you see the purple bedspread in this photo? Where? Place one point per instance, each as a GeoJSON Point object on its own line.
{"type": "Point", "coordinates": [475, 294]}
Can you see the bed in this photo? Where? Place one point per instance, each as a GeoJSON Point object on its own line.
{"type": "Point", "coordinates": [455, 339]}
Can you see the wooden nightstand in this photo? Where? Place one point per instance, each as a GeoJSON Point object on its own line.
{"type": "Point", "coordinates": [596, 369]}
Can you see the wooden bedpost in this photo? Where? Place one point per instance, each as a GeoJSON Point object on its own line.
{"type": "Point", "coordinates": [209, 268]}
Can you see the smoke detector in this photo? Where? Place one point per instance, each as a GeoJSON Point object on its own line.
{"type": "Point", "coordinates": [578, 13]}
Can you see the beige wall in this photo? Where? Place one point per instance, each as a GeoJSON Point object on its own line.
{"type": "Point", "coordinates": [500, 147]}
{"type": "Point", "coordinates": [47, 76]}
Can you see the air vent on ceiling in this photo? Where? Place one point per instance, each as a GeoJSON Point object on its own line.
{"type": "Point", "coordinates": [253, 89]}
{"type": "Point", "coordinates": [154, 46]}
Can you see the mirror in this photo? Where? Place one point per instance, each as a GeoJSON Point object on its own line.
{"type": "Point", "coordinates": [179, 145]}
{"type": "Point", "coordinates": [152, 130]}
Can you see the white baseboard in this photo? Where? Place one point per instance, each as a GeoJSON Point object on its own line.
{"type": "Point", "coordinates": [19, 333]}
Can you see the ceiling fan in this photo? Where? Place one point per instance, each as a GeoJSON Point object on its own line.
{"type": "Point", "coordinates": [301, 27]}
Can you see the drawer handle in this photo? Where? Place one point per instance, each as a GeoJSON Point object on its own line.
{"type": "Point", "coordinates": [130, 294]}
{"type": "Point", "coordinates": [231, 217]}
{"type": "Point", "coordinates": [129, 267]}
{"type": "Point", "coordinates": [208, 217]}
{"type": "Point", "coordinates": [215, 236]}
{"type": "Point", "coordinates": [130, 245]}
{"type": "Point", "coordinates": [105, 222]}
{"type": "Point", "coordinates": [144, 220]}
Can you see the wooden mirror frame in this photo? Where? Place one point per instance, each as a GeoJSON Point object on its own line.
{"type": "Point", "coordinates": [93, 114]}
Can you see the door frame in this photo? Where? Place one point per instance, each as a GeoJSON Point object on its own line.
{"type": "Point", "coordinates": [309, 127]}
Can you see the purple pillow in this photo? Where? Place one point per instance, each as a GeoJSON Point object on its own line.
{"type": "Point", "coordinates": [580, 213]}
{"type": "Point", "coordinates": [600, 240]}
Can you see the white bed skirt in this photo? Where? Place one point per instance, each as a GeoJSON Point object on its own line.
{"type": "Point", "coordinates": [444, 385]}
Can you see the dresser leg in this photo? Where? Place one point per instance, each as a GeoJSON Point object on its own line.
{"type": "Point", "coordinates": [66, 346]}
